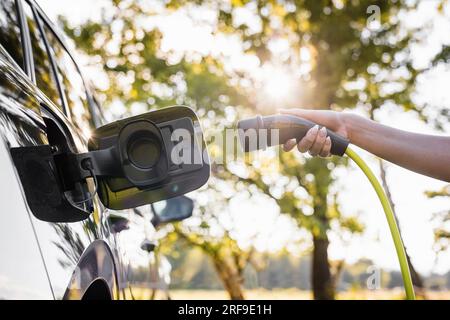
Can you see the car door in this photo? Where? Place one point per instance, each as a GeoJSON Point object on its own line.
{"type": "Point", "coordinates": [47, 113]}
{"type": "Point", "coordinates": [139, 264]}
{"type": "Point", "coordinates": [78, 256]}
{"type": "Point", "coordinates": [22, 271]}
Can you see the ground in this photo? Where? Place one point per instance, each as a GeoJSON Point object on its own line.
{"type": "Point", "coordinates": [288, 294]}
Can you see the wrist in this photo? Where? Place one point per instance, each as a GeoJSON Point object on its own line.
{"type": "Point", "coordinates": [348, 121]}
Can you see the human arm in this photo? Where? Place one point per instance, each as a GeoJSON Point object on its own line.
{"type": "Point", "coordinates": [422, 153]}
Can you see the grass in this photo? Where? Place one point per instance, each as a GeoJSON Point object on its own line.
{"type": "Point", "coordinates": [285, 294]}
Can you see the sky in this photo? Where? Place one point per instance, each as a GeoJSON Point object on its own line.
{"type": "Point", "coordinates": [182, 33]}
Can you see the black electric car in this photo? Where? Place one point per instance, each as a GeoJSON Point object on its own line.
{"type": "Point", "coordinates": [65, 176]}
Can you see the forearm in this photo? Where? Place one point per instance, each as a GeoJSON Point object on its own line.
{"type": "Point", "coordinates": [425, 154]}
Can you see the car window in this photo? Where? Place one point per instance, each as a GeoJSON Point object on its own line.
{"type": "Point", "coordinates": [10, 30]}
{"type": "Point", "coordinates": [72, 83]}
{"type": "Point", "coordinates": [97, 114]}
{"type": "Point", "coordinates": [45, 79]}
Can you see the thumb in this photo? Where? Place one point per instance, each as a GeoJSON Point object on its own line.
{"type": "Point", "coordinates": [302, 113]}
{"type": "Point", "coordinates": [321, 117]}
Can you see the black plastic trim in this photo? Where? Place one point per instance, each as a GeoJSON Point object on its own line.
{"type": "Point", "coordinates": [28, 61]}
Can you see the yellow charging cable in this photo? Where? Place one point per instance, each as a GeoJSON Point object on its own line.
{"type": "Point", "coordinates": [398, 243]}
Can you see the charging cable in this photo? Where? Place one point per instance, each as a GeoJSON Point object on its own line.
{"type": "Point", "coordinates": [289, 127]}
{"type": "Point", "coordinates": [398, 243]}
{"type": "Point", "coordinates": [87, 165]}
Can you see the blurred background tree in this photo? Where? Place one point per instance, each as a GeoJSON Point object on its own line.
{"type": "Point", "coordinates": [359, 57]}
{"type": "Point", "coordinates": [213, 231]}
{"type": "Point", "coordinates": [441, 221]}
{"type": "Point", "coordinates": [335, 54]}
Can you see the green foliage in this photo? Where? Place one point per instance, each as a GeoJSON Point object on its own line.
{"type": "Point", "coordinates": [352, 64]}
{"type": "Point", "coordinates": [129, 54]}
{"type": "Point", "coordinates": [441, 221]}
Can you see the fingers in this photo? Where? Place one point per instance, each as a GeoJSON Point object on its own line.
{"type": "Point", "coordinates": [319, 143]}
{"type": "Point", "coordinates": [315, 141]}
{"type": "Point", "coordinates": [307, 142]}
{"type": "Point", "coordinates": [326, 148]}
{"type": "Point", "coordinates": [289, 145]}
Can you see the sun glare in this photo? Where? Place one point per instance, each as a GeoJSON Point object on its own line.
{"type": "Point", "coordinates": [277, 83]}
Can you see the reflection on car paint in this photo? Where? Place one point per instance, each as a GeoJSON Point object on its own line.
{"type": "Point", "coordinates": [62, 245]}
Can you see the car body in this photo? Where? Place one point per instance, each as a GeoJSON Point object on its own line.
{"type": "Point", "coordinates": [44, 99]}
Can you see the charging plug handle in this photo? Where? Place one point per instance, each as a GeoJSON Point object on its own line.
{"type": "Point", "coordinates": [289, 127]}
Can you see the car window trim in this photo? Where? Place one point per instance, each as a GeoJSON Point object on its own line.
{"type": "Point", "coordinates": [86, 87]}
{"type": "Point", "coordinates": [31, 74]}
{"type": "Point", "coordinates": [49, 25]}
{"type": "Point", "coordinates": [28, 62]}
{"type": "Point", "coordinates": [46, 20]}
{"type": "Point", "coordinates": [53, 66]}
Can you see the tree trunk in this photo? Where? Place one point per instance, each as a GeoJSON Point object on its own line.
{"type": "Point", "coordinates": [231, 281]}
{"type": "Point", "coordinates": [322, 282]}
{"type": "Point", "coordinates": [322, 279]}
{"type": "Point", "coordinates": [415, 276]}
{"type": "Point", "coordinates": [336, 274]}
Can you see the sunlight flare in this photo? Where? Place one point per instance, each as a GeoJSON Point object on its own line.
{"type": "Point", "coordinates": [277, 83]}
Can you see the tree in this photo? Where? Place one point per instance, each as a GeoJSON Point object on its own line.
{"type": "Point", "coordinates": [216, 238]}
{"type": "Point", "coordinates": [311, 211]}
{"type": "Point", "coordinates": [357, 55]}
{"type": "Point", "coordinates": [441, 219]}
{"type": "Point", "coordinates": [138, 73]}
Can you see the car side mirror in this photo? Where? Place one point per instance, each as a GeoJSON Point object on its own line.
{"type": "Point", "coordinates": [175, 209]}
{"type": "Point", "coordinates": [147, 158]}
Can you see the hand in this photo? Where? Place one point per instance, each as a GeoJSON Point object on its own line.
{"type": "Point", "coordinates": [316, 141]}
